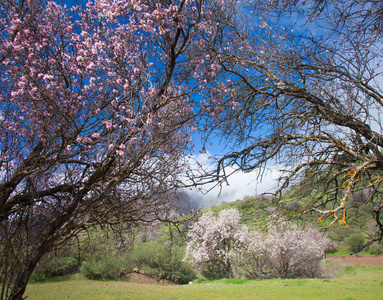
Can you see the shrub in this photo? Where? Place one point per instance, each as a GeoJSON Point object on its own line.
{"type": "Point", "coordinates": [66, 265]}
{"type": "Point", "coordinates": [214, 270]}
{"type": "Point", "coordinates": [57, 266]}
{"type": "Point", "coordinates": [37, 277]}
{"type": "Point", "coordinates": [153, 257]}
{"type": "Point", "coordinates": [376, 249]}
{"type": "Point", "coordinates": [158, 259]}
{"type": "Point", "coordinates": [106, 266]}
{"type": "Point", "coordinates": [356, 242]}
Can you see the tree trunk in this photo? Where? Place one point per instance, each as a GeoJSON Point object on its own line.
{"type": "Point", "coordinates": [229, 271]}
{"type": "Point", "coordinates": [23, 278]}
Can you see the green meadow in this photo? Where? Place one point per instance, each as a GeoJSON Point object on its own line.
{"type": "Point", "coordinates": [351, 282]}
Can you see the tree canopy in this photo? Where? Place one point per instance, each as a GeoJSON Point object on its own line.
{"type": "Point", "coordinates": [96, 111]}
{"type": "Point", "coordinates": [304, 95]}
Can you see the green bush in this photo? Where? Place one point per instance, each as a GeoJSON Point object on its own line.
{"type": "Point", "coordinates": [213, 270]}
{"type": "Point", "coordinates": [66, 265]}
{"type": "Point", "coordinates": [57, 266]}
{"type": "Point", "coordinates": [376, 249]}
{"type": "Point", "coordinates": [356, 242]}
{"type": "Point", "coordinates": [37, 278]}
{"type": "Point", "coordinates": [158, 259]}
{"type": "Point", "coordinates": [107, 266]}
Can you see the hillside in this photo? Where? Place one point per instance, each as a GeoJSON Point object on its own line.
{"type": "Point", "coordinates": [256, 211]}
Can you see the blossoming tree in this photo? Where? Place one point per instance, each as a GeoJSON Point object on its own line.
{"type": "Point", "coordinates": [215, 239]}
{"type": "Point", "coordinates": [286, 250]}
{"type": "Point", "coordinates": [96, 108]}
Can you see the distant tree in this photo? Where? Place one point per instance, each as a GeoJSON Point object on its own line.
{"type": "Point", "coordinates": [356, 242]}
{"type": "Point", "coordinates": [285, 251]}
{"type": "Point", "coordinates": [376, 249]}
{"type": "Point", "coordinates": [96, 109]}
{"type": "Point", "coordinates": [293, 252]}
{"type": "Point", "coordinates": [304, 93]}
{"type": "Point", "coordinates": [214, 240]}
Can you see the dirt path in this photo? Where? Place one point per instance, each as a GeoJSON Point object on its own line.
{"type": "Point", "coordinates": [359, 260]}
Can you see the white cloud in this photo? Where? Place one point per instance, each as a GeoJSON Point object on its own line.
{"type": "Point", "coordinates": [238, 185]}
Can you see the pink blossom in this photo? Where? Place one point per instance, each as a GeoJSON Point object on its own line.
{"type": "Point", "coordinates": [92, 82]}
{"type": "Point", "coordinates": [215, 66]}
{"type": "Point", "coordinates": [86, 140]}
{"type": "Point", "coordinates": [108, 125]}
{"type": "Point", "coordinates": [47, 77]}
{"type": "Point", "coordinates": [149, 119]}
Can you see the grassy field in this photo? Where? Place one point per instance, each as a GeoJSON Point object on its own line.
{"type": "Point", "coordinates": [352, 282]}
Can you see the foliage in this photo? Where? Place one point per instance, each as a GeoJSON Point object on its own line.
{"type": "Point", "coordinates": [37, 277]}
{"type": "Point", "coordinates": [105, 266]}
{"type": "Point", "coordinates": [99, 241]}
{"type": "Point", "coordinates": [155, 258]}
{"type": "Point", "coordinates": [212, 270]}
{"type": "Point", "coordinates": [376, 249]}
{"type": "Point", "coordinates": [253, 210]}
{"type": "Point", "coordinates": [58, 266]}
{"type": "Point", "coordinates": [54, 266]}
{"type": "Point", "coordinates": [158, 259]}
{"type": "Point", "coordinates": [356, 242]}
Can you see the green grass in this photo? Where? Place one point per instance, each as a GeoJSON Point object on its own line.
{"type": "Point", "coordinates": [347, 251]}
{"type": "Point", "coordinates": [342, 251]}
{"type": "Point", "coordinates": [358, 282]}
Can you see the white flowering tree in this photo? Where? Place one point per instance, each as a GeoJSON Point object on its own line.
{"type": "Point", "coordinates": [251, 260]}
{"type": "Point", "coordinates": [294, 252]}
{"type": "Point", "coordinates": [285, 251]}
{"type": "Point", "coordinates": [216, 239]}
